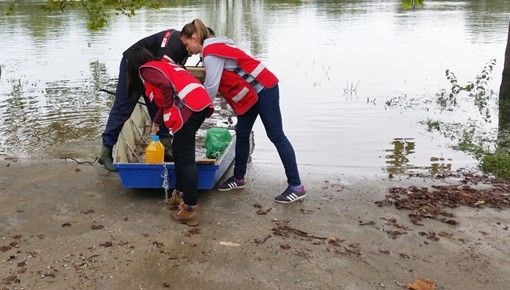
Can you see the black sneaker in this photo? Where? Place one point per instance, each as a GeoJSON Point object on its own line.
{"type": "Point", "coordinates": [231, 183]}
{"type": "Point", "coordinates": [289, 195]}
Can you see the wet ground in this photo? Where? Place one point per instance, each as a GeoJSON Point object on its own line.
{"type": "Point", "coordinates": [69, 225]}
{"type": "Point", "coordinates": [66, 225]}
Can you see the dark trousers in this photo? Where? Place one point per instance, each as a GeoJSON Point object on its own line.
{"type": "Point", "coordinates": [186, 175]}
{"type": "Point", "coordinates": [122, 108]}
{"type": "Point", "coordinates": [268, 107]}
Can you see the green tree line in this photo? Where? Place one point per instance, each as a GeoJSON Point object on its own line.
{"type": "Point", "coordinates": [96, 10]}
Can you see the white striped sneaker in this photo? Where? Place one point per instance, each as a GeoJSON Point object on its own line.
{"type": "Point", "coordinates": [231, 183]}
{"type": "Point", "coordinates": [289, 195]}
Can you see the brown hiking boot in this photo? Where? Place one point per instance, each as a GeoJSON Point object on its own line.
{"type": "Point", "coordinates": [174, 201]}
{"type": "Point", "coordinates": [187, 214]}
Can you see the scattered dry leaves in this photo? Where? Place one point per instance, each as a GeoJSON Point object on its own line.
{"type": "Point", "coordinates": [432, 204]}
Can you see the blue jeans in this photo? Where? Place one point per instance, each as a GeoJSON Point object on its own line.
{"type": "Point", "coordinates": [122, 108]}
{"type": "Point", "coordinates": [268, 107]}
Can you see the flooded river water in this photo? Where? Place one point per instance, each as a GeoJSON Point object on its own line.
{"type": "Point", "coordinates": [338, 62]}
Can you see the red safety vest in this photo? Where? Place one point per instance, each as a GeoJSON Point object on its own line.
{"type": "Point", "coordinates": [188, 91]}
{"type": "Point", "coordinates": [233, 87]}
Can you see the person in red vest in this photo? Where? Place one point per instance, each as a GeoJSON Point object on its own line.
{"type": "Point", "coordinates": [166, 42]}
{"type": "Point", "coordinates": [183, 106]}
{"type": "Point", "coordinates": [251, 90]}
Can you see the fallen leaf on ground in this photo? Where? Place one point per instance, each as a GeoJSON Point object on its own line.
{"type": "Point", "coordinates": [369, 223]}
{"type": "Point", "coordinates": [106, 244]}
{"type": "Point", "coordinates": [11, 279]}
{"type": "Point", "coordinates": [332, 240]}
{"type": "Point", "coordinates": [262, 211]}
{"type": "Point", "coordinates": [193, 231]}
{"type": "Point", "coordinates": [422, 284]}
{"type": "Point", "coordinates": [158, 244]}
{"type": "Point", "coordinates": [430, 235]}
{"type": "Point", "coordinates": [97, 227]}
{"type": "Point", "coordinates": [306, 211]}
{"type": "Point", "coordinates": [5, 248]}
{"type": "Point", "coordinates": [445, 234]}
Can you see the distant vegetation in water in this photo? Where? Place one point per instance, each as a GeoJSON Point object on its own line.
{"type": "Point", "coordinates": [412, 4]}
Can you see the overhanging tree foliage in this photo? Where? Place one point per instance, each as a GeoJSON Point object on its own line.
{"type": "Point", "coordinates": [97, 11]}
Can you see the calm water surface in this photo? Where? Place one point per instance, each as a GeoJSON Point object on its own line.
{"type": "Point", "coordinates": [338, 62]}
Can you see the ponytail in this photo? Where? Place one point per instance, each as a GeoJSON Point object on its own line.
{"type": "Point", "coordinates": [198, 28]}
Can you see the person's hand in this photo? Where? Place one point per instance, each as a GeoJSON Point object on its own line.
{"type": "Point", "coordinates": [154, 128]}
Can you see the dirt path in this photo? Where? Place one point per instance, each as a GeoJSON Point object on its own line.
{"type": "Point", "coordinates": [65, 225]}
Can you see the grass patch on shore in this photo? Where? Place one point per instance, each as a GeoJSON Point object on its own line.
{"type": "Point", "coordinates": [497, 164]}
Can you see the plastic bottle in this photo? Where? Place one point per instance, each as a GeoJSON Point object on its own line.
{"type": "Point", "coordinates": [155, 151]}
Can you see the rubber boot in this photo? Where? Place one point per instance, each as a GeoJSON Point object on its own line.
{"type": "Point", "coordinates": [187, 214]}
{"type": "Point", "coordinates": [174, 201]}
{"type": "Point", "coordinates": [106, 159]}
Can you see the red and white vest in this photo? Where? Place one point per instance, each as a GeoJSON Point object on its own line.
{"type": "Point", "coordinates": [235, 89]}
{"type": "Point", "coordinates": [188, 91]}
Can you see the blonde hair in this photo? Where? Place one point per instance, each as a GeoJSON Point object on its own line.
{"type": "Point", "coordinates": [196, 27]}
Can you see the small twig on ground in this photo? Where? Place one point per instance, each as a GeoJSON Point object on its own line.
{"type": "Point", "coordinates": [283, 229]}
{"type": "Point", "coordinates": [258, 242]}
{"type": "Point", "coordinates": [80, 162]}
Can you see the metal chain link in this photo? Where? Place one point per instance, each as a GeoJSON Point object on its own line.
{"type": "Point", "coordinates": [165, 181]}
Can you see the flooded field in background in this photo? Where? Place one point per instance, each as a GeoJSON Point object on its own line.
{"type": "Point", "coordinates": [339, 63]}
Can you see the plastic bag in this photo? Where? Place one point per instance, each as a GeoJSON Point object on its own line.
{"type": "Point", "coordinates": [216, 141]}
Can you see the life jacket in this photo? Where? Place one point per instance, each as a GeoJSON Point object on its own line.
{"type": "Point", "coordinates": [239, 93]}
{"type": "Point", "coordinates": [188, 91]}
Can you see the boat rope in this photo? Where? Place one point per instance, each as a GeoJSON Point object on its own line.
{"type": "Point", "coordinates": [165, 181]}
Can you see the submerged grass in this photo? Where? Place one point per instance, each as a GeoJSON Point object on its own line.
{"type": "Point", "coordinates": [490, 150]}
{"type": "Point", "coordinates": [472, 103]}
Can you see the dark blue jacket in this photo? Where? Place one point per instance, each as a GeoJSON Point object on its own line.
{"type": "Point", "coordinates": [124, 106]}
